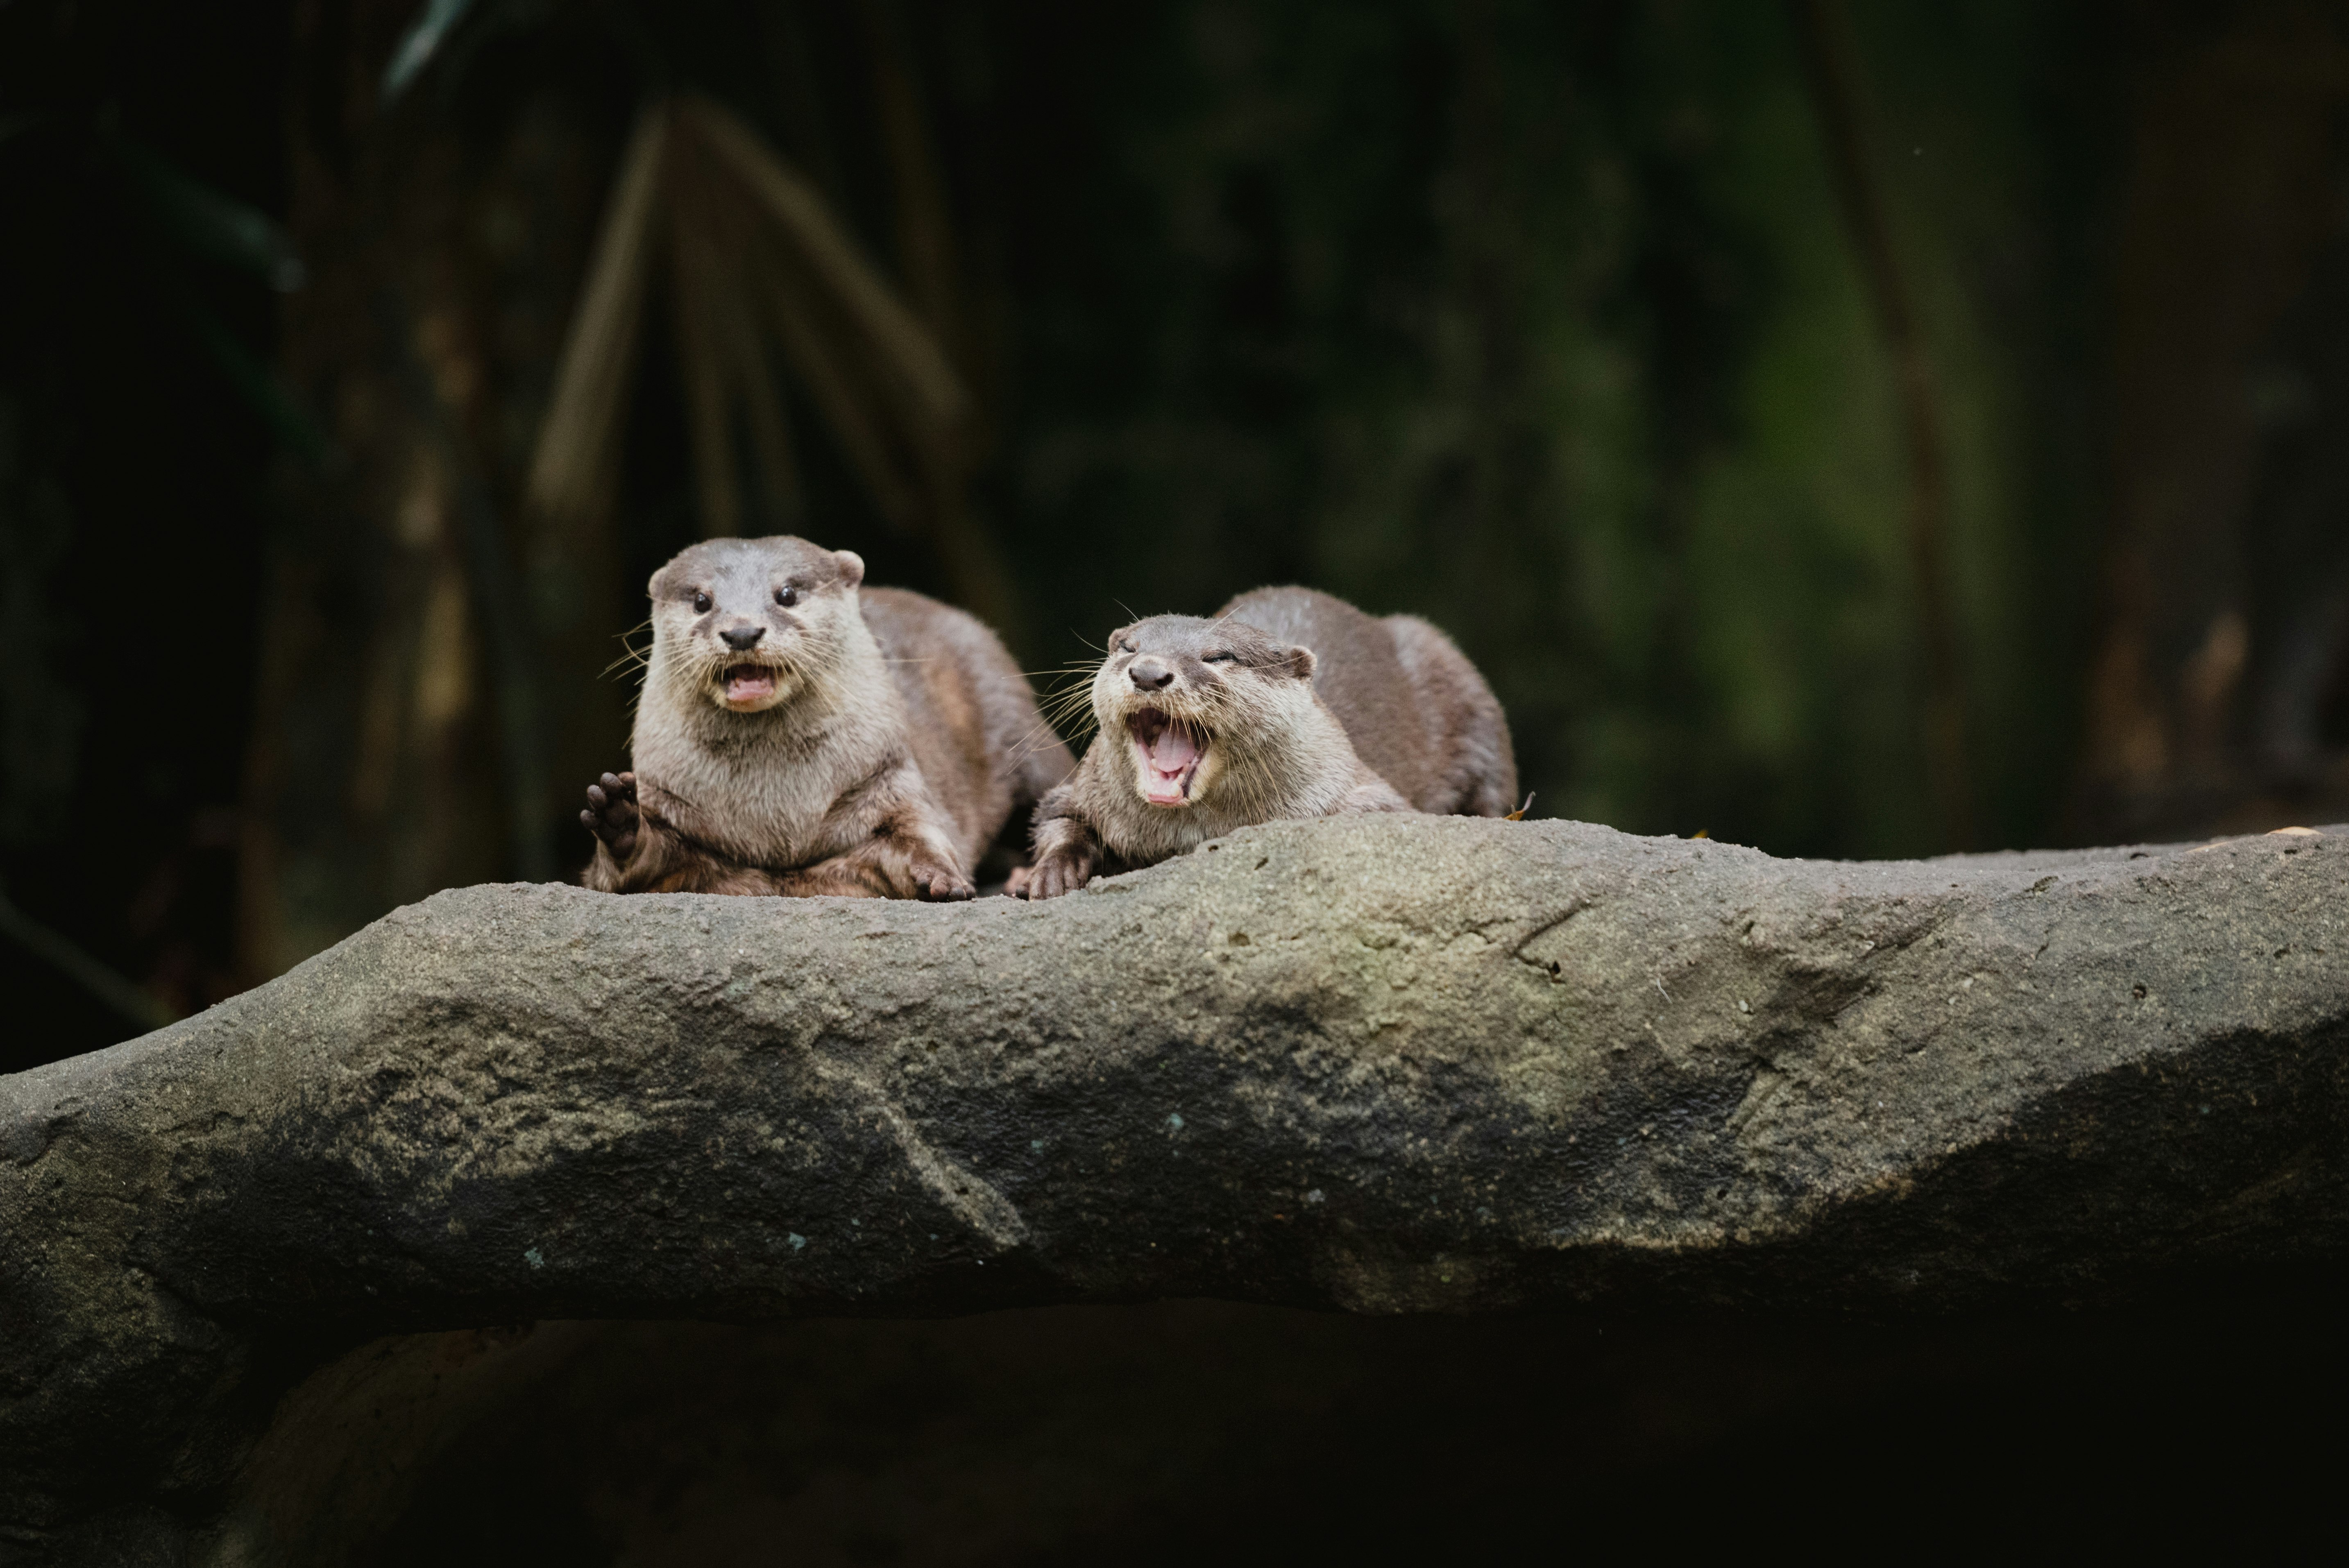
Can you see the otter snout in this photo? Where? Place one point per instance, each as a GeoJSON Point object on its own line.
{"type": "Point", "coordinates": [741, 639]}
{"type": "Point", "coordinates": [1148, 673]}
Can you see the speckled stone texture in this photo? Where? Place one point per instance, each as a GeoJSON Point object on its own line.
{"type": "Point", "coordinates": [1382, 1065]}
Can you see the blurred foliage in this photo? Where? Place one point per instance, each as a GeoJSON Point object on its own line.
{"type": "Point", "coordinates": [141, 141]}
{"type": "Point", "coordinates": [1545, 321]}
{"type": "Point", "coordinates": [1541, 320]}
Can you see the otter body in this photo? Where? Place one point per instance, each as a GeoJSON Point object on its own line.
{"type": "Point", "coordinates": [1417, 711]}
{"type": "Point", "coordinates": [799, 734]}
{"type": "Point", "coordinates": [1205, 727]}
{"type": "Point", "coordinates": [1289, 703]}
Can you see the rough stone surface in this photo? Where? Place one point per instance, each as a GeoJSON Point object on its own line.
{"type": "Point", "coordinates": [1378, 1064]}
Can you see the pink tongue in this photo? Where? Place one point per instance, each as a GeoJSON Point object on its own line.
{"type": "Point", "coordinates": [746, 687]}
{"type": "Point", "coordinates": [1172, 752]}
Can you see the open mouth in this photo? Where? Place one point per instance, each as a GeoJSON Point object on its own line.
{"type": "Point", "coordinates": [749, 683]}
{"type": "Point", "coordinates": [1169, 752]}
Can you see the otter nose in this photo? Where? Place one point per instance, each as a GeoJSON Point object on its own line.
{"type": "Point", "coordinates": [740, 638]}
{"type": "Point", "coordinates": [1149, 675]}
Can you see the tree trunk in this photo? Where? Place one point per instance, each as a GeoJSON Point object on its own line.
{"type": "Point", "coordinates": [410, 733]}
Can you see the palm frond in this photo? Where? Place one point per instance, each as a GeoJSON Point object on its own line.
{"type": "Point", "coordinates": [896, 337]}
{"type": "Point", "coordinates": [571, 463]}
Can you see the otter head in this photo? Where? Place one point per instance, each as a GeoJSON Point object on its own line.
{"type": "Point", "coordinates": [1187, 697]}
{"type": "Point", "coordinates": [743, 623]}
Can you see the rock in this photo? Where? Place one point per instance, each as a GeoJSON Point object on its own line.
{"type": "Point", "coordinates": [1381, 1066]}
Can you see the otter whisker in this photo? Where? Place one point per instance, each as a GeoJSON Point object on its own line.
{"type": "Point", "coordinates": [629, 653]}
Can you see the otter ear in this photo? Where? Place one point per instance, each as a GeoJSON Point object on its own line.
{"type": "Point", "coordinates": [1300, 661]}
{"type": "Point", "coordinates": [851, 567]}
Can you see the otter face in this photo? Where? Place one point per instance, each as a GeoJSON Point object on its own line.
{"type": "Point", "coordinates": [743, 622]}
{"type": "Point", "coordinates": [1181, 691]}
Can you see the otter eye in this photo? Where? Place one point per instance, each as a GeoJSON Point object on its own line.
{"type": "Point", "coordinates": [1221, 657]}
{"type": "Point", "coordinates": [787, 595]}
{"type": "Point", "coordinates": [701, 602]}
{"type": "Point", "coordinates": [1130, 645]}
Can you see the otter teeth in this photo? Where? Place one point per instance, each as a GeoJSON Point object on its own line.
{"type": "Point", "coordinates": [749, 683]}
{"type": "Point", "coordinates": [1169, 756]}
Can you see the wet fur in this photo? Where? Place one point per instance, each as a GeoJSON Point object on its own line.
{"type": "Point", "coordinates": [902, 738]}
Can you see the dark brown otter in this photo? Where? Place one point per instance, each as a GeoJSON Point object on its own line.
{"type": "Point", "coordinates": [799, 734]}
{"type": "Point", "coordinates": [1289, 703]}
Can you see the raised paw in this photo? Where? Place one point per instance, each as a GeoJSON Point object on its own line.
{"type": "Point", "coordinates": [611, 814]}
{"type": "Point", "coordinates": [1060, 872]}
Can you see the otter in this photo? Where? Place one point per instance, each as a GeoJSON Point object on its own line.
{"type": "Point", "coordinates": [800, 733]}
{"type": "Point", "coordinates": [1283, 705]}
{"type": "Point", "coordinates": [1417, 711]}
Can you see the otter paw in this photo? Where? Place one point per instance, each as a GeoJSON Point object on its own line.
{"type": "Point", "coordinates": [1057, 874]}
{"type": "Point", "coordinates": [1015, 884]}
{"type": "Point", "coordinates": [940, 883]}
{"type": "Point", "coordinates": [611, 814]}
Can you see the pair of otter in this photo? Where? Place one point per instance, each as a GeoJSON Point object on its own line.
{"type": "Point", "coordinates": [800, 733]}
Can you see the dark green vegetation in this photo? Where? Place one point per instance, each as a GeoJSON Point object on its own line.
{"type": "Point", "coordinates": [1607, 335]}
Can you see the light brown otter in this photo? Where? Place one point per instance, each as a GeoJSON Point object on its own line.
{"type": "Point", "coordinates": [799, 734]}
{"type": "Point", "coordinates": [1205, 727]}
{"type": "Point", "coordinates": [1277, 709]}
{"type": "Point", "coordinates": [1417, 711]}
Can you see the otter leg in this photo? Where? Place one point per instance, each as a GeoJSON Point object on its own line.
{"type": "Point", "coordinates": [1068, 850]}
{"type": "Point", "coordinates": [908, 855]}
{"type": "Point", "coordinates": [635, 852]}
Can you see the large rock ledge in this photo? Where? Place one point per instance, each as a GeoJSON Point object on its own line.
{"type": "Point", "coordinates": [1381, 1066]}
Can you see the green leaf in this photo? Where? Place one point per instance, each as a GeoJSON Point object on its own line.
{"type": "Point", "coordinates": [420, 43]}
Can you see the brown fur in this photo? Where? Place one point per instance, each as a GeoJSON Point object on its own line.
{"type": "Point", "coordinates": [1417, 711]}
{"type": "Point", "coordinates": [894, 740]}
{"type": "Point", "coordinates": [1271, 750]}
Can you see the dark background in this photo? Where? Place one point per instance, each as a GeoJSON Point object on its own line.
{"type": "Point", "coordinates": [1558, 324]}
{"type": "Point", "coordinates": [1866, 431]}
